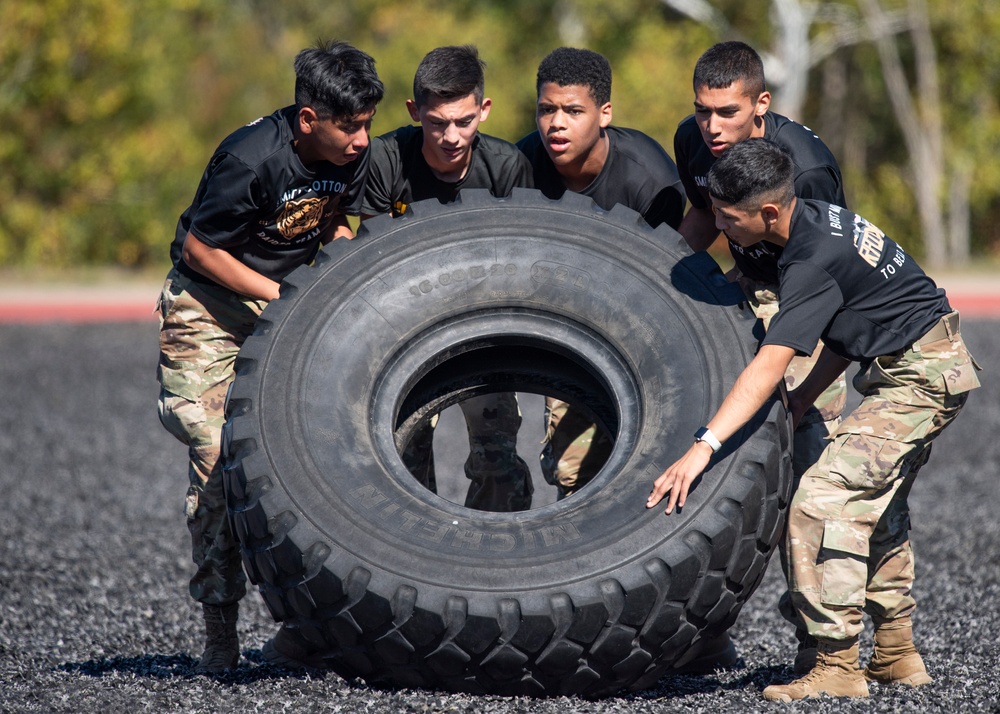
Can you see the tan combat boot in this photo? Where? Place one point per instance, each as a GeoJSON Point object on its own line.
{"type": "Point", "coordinates": [836, 674]}
{"type": "Point", "coordinates": [222, 645]}
{"type": "Point", "coordinates": [896, 660]}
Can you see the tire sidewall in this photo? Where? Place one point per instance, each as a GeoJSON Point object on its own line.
{"type": "Point", "coordinates": [339, 326]}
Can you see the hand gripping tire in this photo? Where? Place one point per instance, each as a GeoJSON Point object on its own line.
{"type": "Point", "coordinates": [382, 579]}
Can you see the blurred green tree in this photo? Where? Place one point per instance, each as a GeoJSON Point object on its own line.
{"type": "Point", "coordinates": [111, 108]}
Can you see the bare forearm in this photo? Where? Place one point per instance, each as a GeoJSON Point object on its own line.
{"type": "Point", "coordinates": [751, 391]}
{"type": "Point", "coordinates": [227, 271]}
{"type": "Point", "coordinates": [341, 228]}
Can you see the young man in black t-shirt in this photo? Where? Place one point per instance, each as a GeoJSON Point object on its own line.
{"type": "Point", "coordinates": [576, 148]}
{"type": "Point", "coordinates": [732, 105]}
{"type": "Point", "coordinates": [272, 192]}
{"type": "Point", "coordinates": [842, 280]}
{"type": "Point", "coordinates": [437, 159]}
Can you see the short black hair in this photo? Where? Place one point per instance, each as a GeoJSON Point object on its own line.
{"type": "Point", "coordinates": [752, 173]}
{"type": "Point", "coordinates": [567, 66]}
{"type": "Point", "coordinates": [450, 72]}
{"type": "Point", "coordinates": [336, 80]}
{"type": "Point", "coordinates": [726, 63]}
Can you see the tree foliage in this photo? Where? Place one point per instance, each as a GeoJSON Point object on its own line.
{"type": "Point", "coordinates": [111, 108]}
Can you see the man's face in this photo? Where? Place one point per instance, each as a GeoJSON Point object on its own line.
{"type": "Point", "coordinates": [450, 126]}
{"type": "Point", "coordinates": [570, 123]}
{"type": "Point", "coordinates": [728, 116]}
{"type": "Point", "coordinates": [339, 140]}
{"type": "Point", "coordinates": [742, 227]}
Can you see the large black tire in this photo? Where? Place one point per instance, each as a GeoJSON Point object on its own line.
{"type": "Point", "coordinates": [386, 581]}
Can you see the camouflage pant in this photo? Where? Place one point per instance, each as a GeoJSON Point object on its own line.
{"type": "Point", "coordinates": [201, 330]}
{"type": "Point", "coordinates": [501, 480]}
{"type": "Point", "coordinates": [808, 442]}
{"type": "Point", "coordinates": [575, 449]}
{"type": "Point", "coordinates": [848, 527]}
{"type": "Point", "coordinates": [817, 424]}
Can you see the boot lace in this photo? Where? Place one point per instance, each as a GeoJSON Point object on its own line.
{"type": "Point", "coordinates": [817, 673]}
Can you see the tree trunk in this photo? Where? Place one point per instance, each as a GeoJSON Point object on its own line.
{"type": "Point", "coordinates": [921, 125]}
{"type": "Point", "coordinates": [959, 215]}
{"type": "Point", "coordinates": [792, 20]}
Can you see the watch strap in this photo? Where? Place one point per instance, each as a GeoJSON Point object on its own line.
{"type": "Point", "coordinates": [705, 434]}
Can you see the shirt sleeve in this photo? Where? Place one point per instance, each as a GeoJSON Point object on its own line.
{"type": "Point", "coordinates": [821, 183]}
{"type": "Point", "coordinates": [230, 204]}
{"type": "Point", "coordinates": [352, 202]}
{"type": "Point", "coordinates": [381, 177]}
{"type": "Point", "coordinates": [523, 173]}
{"type": "Point", "coordinates": [667, 207]}
{"type": "Point", "coordinates": [684, 169]}
{"type": "Point", "coordinates": [506, 171]}
{"type": "Point", "coordinates": [809, 299]}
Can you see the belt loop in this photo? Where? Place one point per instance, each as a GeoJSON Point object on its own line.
{"type": "Point", "coordinates": [952, 326]}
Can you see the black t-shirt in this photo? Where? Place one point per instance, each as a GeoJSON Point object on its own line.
{"type": "Point", "coordinates": [400, 175]}
{"type": "Point", "coordinates": [817, 176]}
{"type": "Point", "coordinates": [259, 202]}
{"type": "Point", "coordinates": [638, 174]}
{"type": "Point", "coordinates": [844, 280]}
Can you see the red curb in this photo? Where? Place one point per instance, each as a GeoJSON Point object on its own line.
{"type": "Point", "coordinates": [49, 310]}
{"type": "Point", "coordinates": [39, 313]}
{"type": "Point", "coordinates": [976, 305]}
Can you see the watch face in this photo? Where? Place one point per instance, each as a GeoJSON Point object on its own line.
{"type": "Point", "coordinates": [704, 434]}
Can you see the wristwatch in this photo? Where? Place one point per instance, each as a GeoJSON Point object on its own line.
{"type": "Point", "coordinates": [705, 434]}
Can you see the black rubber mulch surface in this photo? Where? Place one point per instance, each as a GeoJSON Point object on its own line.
{"type": "Point", "coordinates": [94, 562]}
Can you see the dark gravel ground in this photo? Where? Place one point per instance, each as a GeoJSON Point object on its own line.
{"type": "Point", "coordinates": [95, 616]}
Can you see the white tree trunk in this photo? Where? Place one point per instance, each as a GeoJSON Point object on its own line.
{"type": "Point", "coordinates": [959, 215]}
{"type": "Point", "coordinates": [921, 125]}
{"type": "Point", "coordinates": [794, 51]}
{"type": "Point", "coordinates": [792, 19]}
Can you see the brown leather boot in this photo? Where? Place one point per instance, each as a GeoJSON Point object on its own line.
{"type": "Point", "coordinates": [222, 645]}
{"type": "Point", "coordinates": [836, 674]}
{"type": "Point", "coordinates": [896, 660]}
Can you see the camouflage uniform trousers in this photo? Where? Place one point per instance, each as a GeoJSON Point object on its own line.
{"type": "Point", "coordinates": [848, 529]}
{"type": "Point", "coordinates": [201, 330]}
{"type": "Point", "coordinates": [574, 450]}
{"type": "Point", "coordinates": [817, 424]}
{"type": "Point", "coordinates": [501, 480]}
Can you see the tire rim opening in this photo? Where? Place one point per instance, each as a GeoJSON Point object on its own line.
{"type": "Point", "coordinates": [479, 377]}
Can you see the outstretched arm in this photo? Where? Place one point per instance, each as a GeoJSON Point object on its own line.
{"type": "Point", "coordinates": [753, 388]}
